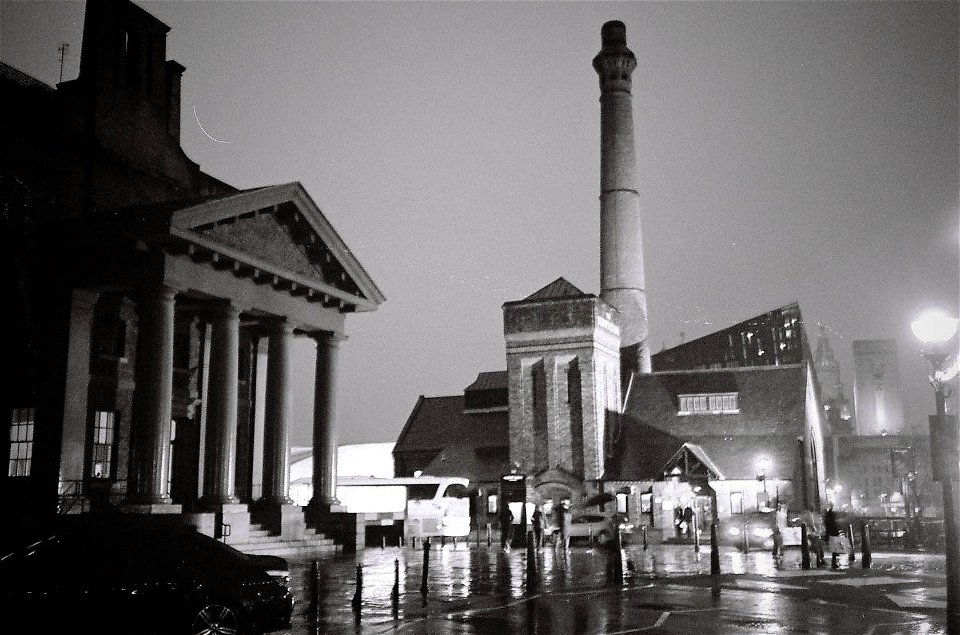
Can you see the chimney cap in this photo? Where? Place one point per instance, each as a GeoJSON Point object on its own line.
{"type": "Point", "coordinates": [613, 33]}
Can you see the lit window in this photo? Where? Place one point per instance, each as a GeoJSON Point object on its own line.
{"type": "Point", "coordinates": [712, 403]}
{"type": "Point", "coordinates": [101, 455]}
{"type": "Point", "coordinates": [21, 441]}
{"type": "Point", "coordinates": [492, 504]}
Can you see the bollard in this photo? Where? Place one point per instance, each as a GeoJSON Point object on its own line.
{"type": "Point", "coordinates": [696, 540]}
{"type": "Point", "coordinates": [643, 530]}
{"type": "Point", "coordinates": [852, 557]}
{"type": "Point", "coordinates": [443, 541]}
{"type": "Point", "coordinates": [395, 593]}
{"type": "Point", "coordinates": [358, 596]}
{"type": "Point", "coordinates": [454, 542]}
{"type": "Point", "coordinates": [531, 564]}
{"type": "Point", "coordinates": [804, 547]}
{"type": "Point", "coordinates": [714, 562]}
{"type": "Point", "coordinates": [426, 566]}
{"type": "Point", "coordinates": [867, 556]}
{"type": "Point", "coordinates": [489, 533]}
{"type": "Point", "coordinates": [478, 537]}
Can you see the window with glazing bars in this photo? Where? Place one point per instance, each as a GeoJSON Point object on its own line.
{"type": "Point", "coordinates": [709, 403]}
{"type": "Point", "coordinates": [101, 455]}
{"type": "Point", "coordinates": [21, 441]}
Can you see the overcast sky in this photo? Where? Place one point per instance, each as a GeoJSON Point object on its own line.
{"type": "Point", "coordinates": [786, 151]}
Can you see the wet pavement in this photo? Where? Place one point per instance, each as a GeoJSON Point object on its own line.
{"type": "Point", "coordinates": [666, 589]}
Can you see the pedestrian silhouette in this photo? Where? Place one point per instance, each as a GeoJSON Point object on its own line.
{"type": "Point", "coordinates": [537, 520]}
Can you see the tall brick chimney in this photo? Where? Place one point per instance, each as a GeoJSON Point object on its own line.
{"type": "Point", "coordinates": [621, 246]}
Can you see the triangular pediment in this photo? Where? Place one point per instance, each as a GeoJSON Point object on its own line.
{"type": "Point", "coordinates": [265, 237]}
{"type": "Point", "coordinates": [277, 234]}
{"type": "Point", "coordinates": [559, 288]}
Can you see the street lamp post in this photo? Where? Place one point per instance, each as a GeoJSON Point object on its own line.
{"type": "Point", "coordinates": [935, 330]}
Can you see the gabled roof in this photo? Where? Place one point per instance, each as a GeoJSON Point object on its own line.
{"type": "Point", "coordinates": [15, 75]}
{"type": "Point", "coordinates": [772, 409]}
{"type": "Point", "coordinates": [274, 234]}
{"type": "Point", "coordinates": [647, 453]}
{"type": "Point", "coordinates": [456, 443]}
{"type": "Point", "coordinates": [559, 288]}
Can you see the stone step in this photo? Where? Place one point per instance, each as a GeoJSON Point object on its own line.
{"type": "Point", "coordinates": [288, 547]}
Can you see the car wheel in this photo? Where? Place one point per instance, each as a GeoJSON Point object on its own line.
{"type": "Point", "coordinates": [603, 537]}
{"type": "Point", "coordinates": [213, 618]}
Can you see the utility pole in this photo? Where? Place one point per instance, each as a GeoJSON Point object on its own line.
{"type": "Point", "coordinates": [63, 53]}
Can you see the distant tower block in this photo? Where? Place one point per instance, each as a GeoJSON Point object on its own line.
{"type": "Point", "coordinates": [876, 393]}
{"type": "Point", "coordinates": [621, 245]}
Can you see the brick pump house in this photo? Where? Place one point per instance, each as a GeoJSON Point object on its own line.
{"type": "Point", "coordinates": [728, 423]}
{"type": "Point", "coordinates": [144, 291]}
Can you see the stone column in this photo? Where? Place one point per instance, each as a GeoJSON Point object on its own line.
{"type": "Point", "coordinates": [150, 457]}
{"type": "Point", "coordinates": [325, 422]}
{"type": "Point", "coordinates": [221, 442]}
{"type": "Point", "coordinates": [277, 411]}
{"type": "Point", "coordinates": [75, 424]}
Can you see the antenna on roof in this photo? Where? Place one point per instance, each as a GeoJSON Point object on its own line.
{"type": "Point", "coordinates": [62, 49]}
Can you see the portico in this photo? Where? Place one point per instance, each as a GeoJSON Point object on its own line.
{"type": "Point", "coordinates": [261, 266]}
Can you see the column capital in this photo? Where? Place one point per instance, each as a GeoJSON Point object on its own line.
{"type": "Point", "coordinates": [277, 325]}
{"type": "Point", "coordinates": [224, 309]}
{"type": "Point", "coordinates": [161, 292]}
{"type": "Point", "coordinates": [327, 338]}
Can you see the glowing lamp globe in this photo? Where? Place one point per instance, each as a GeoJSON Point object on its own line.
{"type": "Point", "coordinates": [934, 327]}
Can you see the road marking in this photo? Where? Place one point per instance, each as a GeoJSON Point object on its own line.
{"type": "Point", "coordinates": [766, 585]}
{"type": "Point", "coordinates": [872, 581]}
{"type": "Point", "coordinates": [873, 629]}
{"type": "Point", "coordinates": [915, 601]}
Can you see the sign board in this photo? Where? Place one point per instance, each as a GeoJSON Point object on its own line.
{"type": "Point", "coordinates": [944, 452]}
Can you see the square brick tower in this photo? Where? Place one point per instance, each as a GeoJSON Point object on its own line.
{"type": "Point", "coordinates": [563, 370]}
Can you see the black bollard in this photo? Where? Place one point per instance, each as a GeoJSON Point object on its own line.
{"type": "Point", "coordinates": [443, 541]}
{"type": "Point", "coordinates": [867, 556]}
{"type": "Point", "coordinates": [454, 542]}
{"type": "Point", "coordinates": [804, 547]}
{"type": "Point", "coordinates": [478, 537]}
{"type": "Point", "coordinates": [489, 533]}
{"type": "Point", "coordinates": [643, 531]}
{"type": "Point", "coordinates": [696, 540]}
{"type": "Point", "coordinates": [426, 566]}
{"type": "Point", "coordinates": [358, 596]}
{"type": "Point", "coordinates": [852, 557]}
{"type": "Point", "coordinates": [531, 564]}
{"type": "Point", "coordinates": [714, 551]}
{"type": "Point", "coordinates": [395, 593]}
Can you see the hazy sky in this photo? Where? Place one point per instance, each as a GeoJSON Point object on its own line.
{"type": "Point", "coordinates": [786, 151]}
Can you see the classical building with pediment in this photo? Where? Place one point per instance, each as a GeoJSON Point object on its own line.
{"type": "Point", "coordinates": [154, 305]}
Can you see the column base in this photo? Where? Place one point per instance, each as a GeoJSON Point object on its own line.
{"type": "Point", "coordinates": [286, 519]}
{"type": "Point", "coordinates": [150, 508]}
{"type": "Point", "coordinates": [231, 521]}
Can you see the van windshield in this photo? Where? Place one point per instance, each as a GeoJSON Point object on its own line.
{"type": "Point", "coordinates": [422, 491]}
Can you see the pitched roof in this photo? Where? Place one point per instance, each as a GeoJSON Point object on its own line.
{"type": "Point", "coordinates": [438, 423]}
{"type": "Point", "coordinates": [772, 406]}
{"type": "Point", "coordinates": [559, 288]}
{"type": "Point", "coordinates": [489, 380]}
{"type": "Point", "coordinates": [20, 78]}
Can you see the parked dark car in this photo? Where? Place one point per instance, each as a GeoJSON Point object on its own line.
{"type": "Point", "coordinates": [118, 576]}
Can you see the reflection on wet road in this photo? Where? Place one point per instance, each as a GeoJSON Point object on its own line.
{"type": "Point", "coordinates": [666, 589]}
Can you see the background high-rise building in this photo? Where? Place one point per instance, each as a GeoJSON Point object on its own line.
{"type": "Point", "coordinates": [876, 392]}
